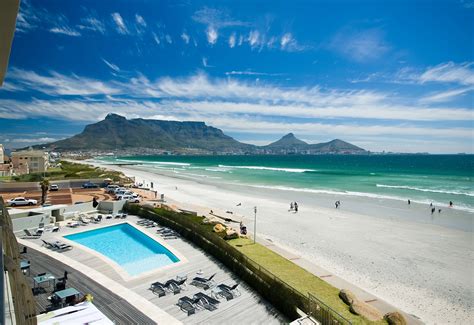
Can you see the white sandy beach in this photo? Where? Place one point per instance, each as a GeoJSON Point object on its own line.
{"type": "Point", "coordinates": [420, 263]}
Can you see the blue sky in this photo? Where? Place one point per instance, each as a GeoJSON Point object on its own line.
{"type": "Point", "coordinates": [385, 75]}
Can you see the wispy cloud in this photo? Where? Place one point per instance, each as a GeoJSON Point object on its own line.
{"type": "Point", "coordinates": [216, 18]}
{"type": "Point", "coordinates": [168, 38]}
{"type": "Point", "coordinates": [444, 96]}
{"type": "Point", "coordinates": [185, 37]}
{"type": "Point", "coordinates": [111, 65]}
{"type": "Point", "coordinates": [120, 23]}
{"type": "Point", "coordinates": [140, 20]}
{"type": "Point", "coordinates": [57, 84]}
{"type": "Point", "coordinates": [232, 40]}
{"type": "Point", "coordinates": [65, 30]}
{"type": "Point", "coordinates": [156, 39]}
{"type": "Point", "coordinates": [92, 23]}
{"type": "Point", "coordinates": [360, 45]}
{"type": "Point", "coordinates": [212, 35]}
{"type": "Point", "coordinates": [462, 73]}
{"type": "Point", "coordinates": [251, 73]}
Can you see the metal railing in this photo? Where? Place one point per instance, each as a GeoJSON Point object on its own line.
{"type": "Point", "coordinates": [21, 294]}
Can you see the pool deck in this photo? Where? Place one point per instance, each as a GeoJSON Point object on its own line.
{"type": "Point", "coordinates": [249, 308]}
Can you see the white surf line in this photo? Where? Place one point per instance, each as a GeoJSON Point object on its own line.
{"type": "Point", "coordinates": [140, 303]}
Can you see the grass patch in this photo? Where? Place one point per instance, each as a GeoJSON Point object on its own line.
{"type": "Point", "coordinates": [297, 277]}
{"type": "Point", "coordinates": [69, 170]}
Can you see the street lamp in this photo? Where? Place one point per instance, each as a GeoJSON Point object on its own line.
{"type": "Point", "coordinates": [255, 224]}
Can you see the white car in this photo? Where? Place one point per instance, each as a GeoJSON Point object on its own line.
{"type": "Point", "coordinates": [18, 201]}
{"type": "Point", "coordinates": [128, 198]}
{"type": "Point", "coordinates": [111, 188]}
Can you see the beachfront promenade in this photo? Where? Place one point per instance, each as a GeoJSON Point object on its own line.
{"type": "Point", "coordinates": [248, 307]}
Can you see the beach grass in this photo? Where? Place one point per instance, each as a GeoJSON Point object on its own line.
{"type": "Point", "coordinates": [298, 278]}
{"type": "Point", "coordinates": [69, 170]}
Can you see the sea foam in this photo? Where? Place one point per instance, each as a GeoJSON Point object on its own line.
{"type": "Point", "coordinates": [288, 170]}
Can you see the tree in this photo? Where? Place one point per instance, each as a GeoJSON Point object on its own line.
{"type": "Point", "coordinates": [44, 190]}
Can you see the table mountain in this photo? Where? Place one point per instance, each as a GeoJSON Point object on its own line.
{"type": "Point", "coordinates": [116, 133]}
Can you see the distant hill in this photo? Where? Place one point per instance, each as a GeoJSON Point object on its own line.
{"type": "Point", "coordinates": [289, 144]}
{"type": "Point", "coordinates": [116, 133]}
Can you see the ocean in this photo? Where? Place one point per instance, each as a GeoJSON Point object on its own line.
{"type": "Point", "coordinates": [436, 179]}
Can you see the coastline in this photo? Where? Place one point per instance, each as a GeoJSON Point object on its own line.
{"type": "Point", "coordinates": [402, 256]}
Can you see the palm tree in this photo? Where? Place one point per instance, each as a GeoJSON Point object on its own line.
{"type": "Point", "coordinates": [44, 190]}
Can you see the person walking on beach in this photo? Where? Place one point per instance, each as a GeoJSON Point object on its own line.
{"type": "Point", "coordinates": [291, 206]}
{"type": "Point", "coordinates": [409, 202]}
{"type": "Point", "coordinates": [296, 207]}
{"type": "Point", "coordinates": [433, 209]}
{"type": "Point", "coordinates": [338, 203]}
{"type": "Point", "coordinates": [450, 204]}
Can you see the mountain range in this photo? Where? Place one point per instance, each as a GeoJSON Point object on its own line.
{"type": "Point", "coordinates": [116, 133]}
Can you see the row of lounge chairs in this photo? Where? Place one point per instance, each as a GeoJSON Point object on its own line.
{"type": "Point", "coordinates": [163, 232]}
{"type": "Point", "coordinates": [56, 245]}
{"type": "Point", "coordinates": [38, 232]}
{"type": "Point", "coordinates": [199, 300]}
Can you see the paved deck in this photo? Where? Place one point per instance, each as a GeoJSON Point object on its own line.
{"type": "Point", "coordinates": [248, 308]}
{"type": "Point", "coordinates": [114, 307]}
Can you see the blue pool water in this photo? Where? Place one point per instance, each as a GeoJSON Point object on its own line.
{"type": "Point", "coordinates": [129, 247]}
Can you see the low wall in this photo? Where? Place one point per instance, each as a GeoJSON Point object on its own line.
{"type": "Point", "coordinates": [19, 186]}
{"type": "Point", "coordinates": [111, 206]}
{"type": "Point", "coordinates": [28, 220]}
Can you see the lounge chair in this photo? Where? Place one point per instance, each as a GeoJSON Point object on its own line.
{"type": "Point", "coordinates": [30, 235]}
{"type": "Point", "coordinates": [154, 224]}
{"type": "Point", "coordinates": [124, 216]}
{"type": "Point", "coordinates": [47, 244]}
{"type": "Point", "coordinates": [204, 283]}
{"type": "Point", "coordinates": [232, 289]}
{"type": "Point", "coordinates": [61, 246]}
{"type": "Point", "coordinates": [82, 221]}
{"type": "Point", "coordinates": [206, 301]}
{"type": "Point", "coordinates": [55, 229]}
{"type": "Point", "coordinates": [170, 285]}
{"type": "Point", "coordinates": [118, 216]}
{"type": "Point", "coordinates": [109, 216]}
{"type": "Point", "coordinates": [157, 288]}
{"type": "Point", "coordinates": [188, 305]}
{"type": "Point", "coordinates": [73, 224]}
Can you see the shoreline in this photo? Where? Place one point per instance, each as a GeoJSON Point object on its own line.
{"type": "Point", "coordinates": [390, 256]}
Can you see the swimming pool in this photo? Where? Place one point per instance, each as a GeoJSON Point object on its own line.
{"type": "Point", "coordinates": [133, 250]}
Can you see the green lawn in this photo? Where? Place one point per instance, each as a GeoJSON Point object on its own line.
{"type": "Point", "coordinates": [297, 277]}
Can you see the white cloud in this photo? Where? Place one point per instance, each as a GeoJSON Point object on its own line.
{"type": "Point", "coordinates": [140, 20]}
{"type": "Point", "coordinates": [156, 38]}
{"type": "Point", "coordinates": [445, 96]}
{"type": "Point", "coordinates": [362, 46]}
{"type": "Point", "coordinates": [93, 24]}
{"type": "Point", "coordinates": [462, 73]}
{"type": "Point", "coordinates": [216, 18]}
{"type": "Point", "coordinates": [168, 38]}
{"type": "Point", "coordinates": [232, 40]}
{"type": "Point", "coordinates": [111, 65]}
{"type": "Point", "coordinates": [212, 35]}
{"type": "Point", "coordinates": [185, 37]}
{"type": "Point", "coordinates": [57, 84]}
{"type": "Point", "coordinates": [65, 30]}
{"type": "Point", "coordinates": [254, 38]}
{"type": "Point", "coordinates": [120, 24]}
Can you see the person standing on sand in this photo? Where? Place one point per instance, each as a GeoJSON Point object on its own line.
{"type": "Point", "coordinates": [296, 207]}
{"type": "Point", "coordinates": [409, 202]}
{"type": "Point", "coordinates": [291, 206]}
{"type": "Point", "coordinates": [450, 204]}
{"type": "Point", "coordinates": [433, 209]}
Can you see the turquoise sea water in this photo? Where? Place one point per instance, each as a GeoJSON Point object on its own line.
{"type": "Point", "coordinates": [130, 248]}
{"type": "Point", "coordinates": [420, 178]}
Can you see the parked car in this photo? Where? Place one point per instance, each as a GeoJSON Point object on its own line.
{"type": "Point", "coordinates": [111, 188]}
{"type": "Point", "coordinates": [128, 198]}
{"type": "Point", "coordinates": [19, 201]}
{"type": "Point", "coordinates": [53, 187]}
{"type": "Point", "coordinates": [90, 185]}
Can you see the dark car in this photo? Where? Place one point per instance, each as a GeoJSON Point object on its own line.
{"type": "Point", "coordinates": [90, 185]}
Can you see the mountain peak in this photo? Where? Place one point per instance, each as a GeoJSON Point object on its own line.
{"type": "Point", "coordinates": [114, 117]}
{"type": "Point", "coordinates": [287, 141]}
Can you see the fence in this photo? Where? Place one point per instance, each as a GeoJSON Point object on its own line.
{"type": "Point", "coordinates": [22, 296]}
{"type": "Point", "coordinates": [284, 297]}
